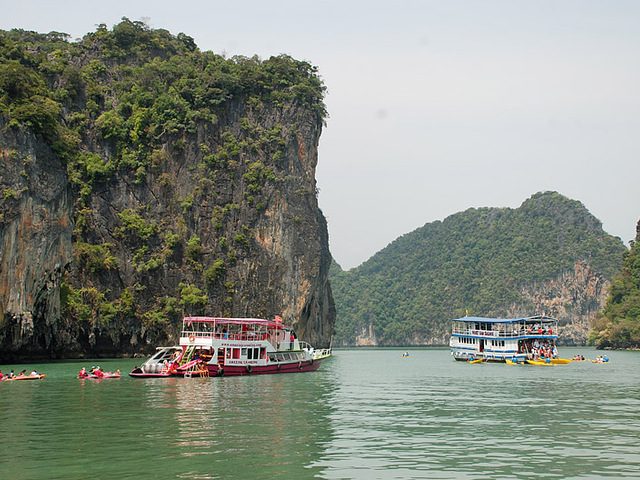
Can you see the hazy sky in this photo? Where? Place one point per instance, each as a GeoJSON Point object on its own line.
{"type": "Point", "coordinates": [435, 106]}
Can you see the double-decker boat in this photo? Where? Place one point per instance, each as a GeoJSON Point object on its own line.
{"type": "Point", "coordinates": [211, 346]}
{"type": "Point", "coordinates": [526, 339]}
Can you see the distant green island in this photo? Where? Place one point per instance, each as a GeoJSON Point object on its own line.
{"type": "Point", "coordinates": [550, 256]}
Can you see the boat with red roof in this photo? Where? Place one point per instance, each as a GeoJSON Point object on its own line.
{"type": "Point", "coordinates": [213, 346]}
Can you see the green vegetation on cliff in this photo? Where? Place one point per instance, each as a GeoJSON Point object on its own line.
{"type": "Point", "coordinates": [475, 262]}
{"type": "Point", "coordinates": [174, 158]}
{"type": "Point", "coordinates": [619, 324]}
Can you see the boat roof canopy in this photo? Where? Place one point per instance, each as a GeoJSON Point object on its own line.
{"type": "Point", "coordinates": [234, 321]}
{"type": "Point", "coordinates": [534, 319]}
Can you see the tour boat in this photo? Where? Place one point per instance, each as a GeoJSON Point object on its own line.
{"type": "Point", "coordinates": [211, 346]}
{"type": "Point", "coordinates": [501, 339]}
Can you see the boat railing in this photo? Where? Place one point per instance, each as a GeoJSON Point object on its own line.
{"type": "Point", "coordinates": [516, 332]}
{"type": "Point", "coordinates": [246, 336]}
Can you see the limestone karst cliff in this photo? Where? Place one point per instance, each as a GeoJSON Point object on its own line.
{"type": "Point", "coordinates": [142, 180]}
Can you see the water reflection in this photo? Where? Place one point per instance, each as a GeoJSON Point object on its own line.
{"type": "Point", "coordinates": [264, 426]}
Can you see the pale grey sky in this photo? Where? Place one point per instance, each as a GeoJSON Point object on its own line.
{"type": "Point", "coordinates": [435, 106]}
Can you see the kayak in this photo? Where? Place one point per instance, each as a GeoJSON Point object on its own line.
{"type": "Point", "coordinates": [511, 362]}
{"type": "Point", "coordinates": [96, 377]}
{"type": "Point", "coordinates": [561, 361]}
{"type": "Point", "coordinates": [25, 377]}
{"type": "Point", "coordinates": [539, 363]}
{"type": "Point", "coordinates": [479, 360]}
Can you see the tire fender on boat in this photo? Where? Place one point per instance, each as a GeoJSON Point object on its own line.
{"type": "Point", "coordinates": [192, 338]}
{"type": "Point", "coordinates": [300, 365]}
{"type": "Point", "coordinates": [249, 369]}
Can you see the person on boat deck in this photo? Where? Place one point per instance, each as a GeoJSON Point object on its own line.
{"type": "Point", "coordinates": [225, 333]}
{"type": "Point", "coordinates": [293, 339]}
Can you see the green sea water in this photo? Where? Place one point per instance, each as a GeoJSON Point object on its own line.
{"type": "Point", "coordinates": [365, 414]}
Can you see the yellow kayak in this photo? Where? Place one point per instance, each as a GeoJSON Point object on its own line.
{"type": "Point", "coordinates": [539, 363]}
{"type": "Point", "coordinates": [511, 362]}
{"type": "Point", "coordinates": [479, 360]}
{"type": "Point", "coordinates": [560, 361]}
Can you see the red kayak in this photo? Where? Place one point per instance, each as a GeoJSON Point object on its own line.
{"type": "Point", "coordinates": [92, 376]}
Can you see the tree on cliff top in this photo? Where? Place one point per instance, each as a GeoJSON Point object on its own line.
{"type": "Point", "coordinates": [619, 325]}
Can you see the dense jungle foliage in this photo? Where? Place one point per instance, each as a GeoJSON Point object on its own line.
{"type": "Point", "coordinates": [474, 262]}
{"type": "Point", "coordinates": [619, 324]}
{"type": "Point", "coordinates": [124, 108]}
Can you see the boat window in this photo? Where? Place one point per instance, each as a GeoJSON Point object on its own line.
{"type": "Point", "coordinates": [249, 353]}
{"type": "Point", "coordinates": [244, 352]}
{"type": "Point", "coordinates": [236, 353]}
{"type": "Point", "coordinates": [256, 353]}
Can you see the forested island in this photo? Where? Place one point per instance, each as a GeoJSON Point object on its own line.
{"type": "Point", "coordinates": [143, 179]}
{"type": "Point", "coordinates": [550, 256]}
{"type": "Point", "coordinates": [618, 326]}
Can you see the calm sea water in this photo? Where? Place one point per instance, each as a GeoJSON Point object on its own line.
{"type": "Point", "coordinates": [365, 414]}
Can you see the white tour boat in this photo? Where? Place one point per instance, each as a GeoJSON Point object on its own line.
{"type": "Point", "coordinates": [525, 339]}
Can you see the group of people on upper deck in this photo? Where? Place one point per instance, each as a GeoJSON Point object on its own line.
{"type": "Point", "coordinates": [540, 329]}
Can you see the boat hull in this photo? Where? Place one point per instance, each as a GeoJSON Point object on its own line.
{"type": "Point", "coordinates": [139, 373]}
{"type": "Point", "coordinates": [242, 370]}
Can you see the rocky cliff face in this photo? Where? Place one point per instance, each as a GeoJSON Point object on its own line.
{"type": "Point", "coordinates": [106, 245]}
{"type": "Point", "coordinates": [574, 298]}
{"type": "Point", "coordinates": [35, 241]}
